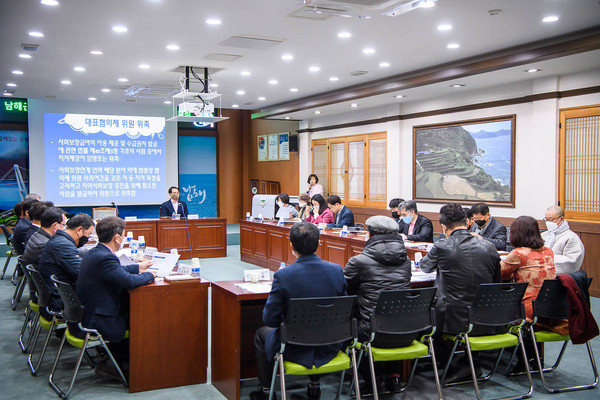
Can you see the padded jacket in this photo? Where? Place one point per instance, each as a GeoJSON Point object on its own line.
{"type": "Point", "coordinates": [462, 261]}
{"type": "Point", "coordinates": [35, 247]}
{"type": "Point", "coordinates": [383, 265]}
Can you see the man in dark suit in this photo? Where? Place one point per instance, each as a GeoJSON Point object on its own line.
{"type": "Point", "coordinates": [486, 227]}
{"type": "Point", "coordinates": [35, 214]}
{"type": "Point", "coordinates": [101, 284]}
{"type": "Point", "coordinates": [412, 225]}
{"type": "Point", "coordinates": [343, 215]}
{"type": "Point", "coordinates": [173, 205]}
{"type": "Point", "coordinates": [309, 276]}
{"type": "Point", "coordinates": [20, 231]}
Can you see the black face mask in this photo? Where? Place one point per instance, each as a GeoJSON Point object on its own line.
{"type": "Point", "coordinates": [395, 214]}
{"type": "Point", "coordinates": [481, 222]}
{"type": "Point", "coordinates": [82, 241]}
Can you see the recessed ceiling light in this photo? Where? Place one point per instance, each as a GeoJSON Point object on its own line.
{"type": "Point", "coordinates": [444, 27]}
{"type": "Point", "coordinates": [49, 2]}
{"type": "Point", "coordinates": [213, 21]}
{"type": "Point", "coordinates": [106, 90]}
{"type": "Point", "coordinates": [262, 98]}
{"type": "Point", "coordinates": [92, 99]}
{"type": "Point", "coordinates": [166, 102]}
{"type": "Point", "coordinates": [79, 69]}
{"type": "Point", "coordinates": [240, 92]}
{"type": "Point", "coordinates": [234, 105]}
{"type": "Point", "coordinates": [457, 85]}
{"type": "Point", "coordinates": [550, 18]}
{"type": "Point", "coordinates": [65, 82]}
{"type": "Point", "coordinates": [287, 57]}
{"type": "Point", "coordinates": [314, 68]}
{"type": "Point", "coordinates": [97, 52]}
{"type": "Point", "coordinates": [317, 112]}
{"type": "Point", "coordinates": [172, 47]}
{"type": "Point", "coordinates": [23, 55]}
{"type": "Point", "coordinates": [427, 3]}
{"type": "Point", "coordinates": [213, 85]}
{"type": "Point", "coordinates": [369, 50]}
{"type": "Point", "coordinates": [293, 89]}
{"type": "Point", "coordinates": [287, 117]}
{"type": "Point", "coordinates": [144, 66]}
{"type": "Point", "coordinates": [273, 82]}
{"type": "Point", "coordinates": [123, 80]}
{"type": "Point", "coordinates": [11, 84]}
{"type": "Point", "coordinates": [7, 94]}
{"type": "Point", "coordinates": [344, 35]}
{"type": "Point", "coordinates": [36, 34]}
{"type": "Point", "coordinates": [334, 78]}
{"type": "Point", "coordinates": [453, 46]}
{"type": "Point", "coordinates": [245, 73]}
{"type": "Point", "coordinates": [399, 96]}
{"type": "Point", "coordinates": [353, 105]}
{"type": "Point", "coordinates": [17, 72]}
{"type": "Point", "coordinates": [119, 29]}
{"type": "Point", "coordinates": [533, 70]}
{"type": "Point", "coordinates": [384, 64]}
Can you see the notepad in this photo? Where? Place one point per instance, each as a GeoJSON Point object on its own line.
{"type": "Point", "coordinates": [163, 263]}
{"type": "Point", "coordinates": [255, 287]}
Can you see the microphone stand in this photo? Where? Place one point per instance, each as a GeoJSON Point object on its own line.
{"type": "Point", "coordinates": [185, 218]}
{"type": "Point", "coordinates": [115, 206]}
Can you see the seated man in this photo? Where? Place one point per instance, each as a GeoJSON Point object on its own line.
{"type": "Point", "coordinates": [101, 284]}
{"type": "Point", "coordinates": [343, 215]}
{"type": "Point", "coordinates": [20, 231]}
{"type": "Point", "coordinates": [567, 246]}
{"type": "Point", "coordinates": [393, 205]}
{"type": "Point", "coordinates": [173, 205]}
{"type": "Point", "coordinates": [35, 214]}
{"type": "Point", "coordinates": [52, 220]}
{"type": "Point", "coordinates": [462, 262]}
{"type": "Point", "coordinates": [414, 226]}
{"type": "Point", "coordinates": [486, 227]}
{"type": "Point", "coordinates": [309, 276]}
{"type": "Point", "coordinates": [468, 217]}
{"type": "Point", "coordinates": [383, 265]}
{"type": "Point", "coordinates": [61, 257]}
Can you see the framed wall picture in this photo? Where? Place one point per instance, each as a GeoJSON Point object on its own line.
{"type": "Point", "coordinates": [272, 144]}
{"type": "Point", "coordinates": [466, 161]}
{"type": "Point", "coordinates": [284, 146]}
{"type": "Point", "coordinates": [262, 147]}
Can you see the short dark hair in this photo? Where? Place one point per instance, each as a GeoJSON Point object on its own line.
{"type": "Point", "coordinates": [310, 176]}
{"type": "Point", "coordinates": [334, 199]}
{"type": "Point", "coordinates": [27, 204]}
{"type": "Point", "coordinates": [81, 219]}
{"type": "Point", "coordinates": [452, 216]}
{"type": "Point", "coordinates": [468, 212]}
{"type": "Point", "coordinates": [480, 208]}
{"type": "Point", "coordinates": [409, 205]}
{"type": "Point", "coordinates": [173, 187]}
{"type": "Point", "coordinates": [38, 208]}
{"type": "Point", "coordinates": [305, 238]}
{"type": "Point", "coordinates": [284, 197]}
{"type": "Point", "coordinates": [525, 232]}
{"type": "Point", "coordinates": [322, 204]}
{"type": "Point", "coordinates": [18, 209]}
{"type": "Point", "coordinates": [304, 197]}
{"type": "Point", "coordinates": [50, 216]}
{"type": "Point", "coordinates": [395, 202]}
{"type": "Point", "coordinates": [108, 227]}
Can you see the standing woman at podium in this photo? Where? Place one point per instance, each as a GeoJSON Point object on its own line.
{"type": "Point", "coordinates": [314, 187]}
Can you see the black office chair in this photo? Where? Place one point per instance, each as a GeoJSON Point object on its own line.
{"type": "Point", "coordinates": [318, 322]}
{"type": "Point", "coordinates": [496, 305]}
{"type": "Point", "coordinates": [400, 313]}
{"type": "Point", "coordinates": [73, 313]}
{"type": "Point", "coordinates": [437, 236]}
{"type": "Point", "coordinates": [9, 253]}
{"type": "Point", "coordinates": [31, 316]}
{"type": "Point", "coordinates": [21, 282]}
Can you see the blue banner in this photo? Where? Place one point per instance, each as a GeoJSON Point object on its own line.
{"type": "Point", "coordinates": [198, 174]}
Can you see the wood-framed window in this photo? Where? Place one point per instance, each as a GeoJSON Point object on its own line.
{"type": "Point", "coordinates": [579, 163]}
{"type": "Point", "coordinates": [353, 167]}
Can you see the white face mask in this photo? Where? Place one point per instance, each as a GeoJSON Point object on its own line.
{"type": "Point", "coordinates": [122, 243]}
{"type": "Point", "coordinates": [301, 204]}
{"type": "Point", "coordinates": [551, 226]}
{"type": "Point", "coordinates": [280, 204]}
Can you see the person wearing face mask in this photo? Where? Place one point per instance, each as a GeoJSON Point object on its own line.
{"type": "Point", "coordinates": [35, 214]}
{"type": "Point", "coordinates": [567, 246]}
{"type": "Point", "coordinates": [304, 205]}
{"type": "Point", "coordinates": [320, 212]}
{"type": "Point", "coordinates": [414, 226]}
{"type": "Point", "coordinates": [286, 210]}
{"type": "Point", "coordinates": [173, 205]}
{"type": "Point", "coordinates": [393, 205]}
{"type": "Point", "coordinates": [61, 256]}
{"type": "Point", "coordinates": [488, 228]}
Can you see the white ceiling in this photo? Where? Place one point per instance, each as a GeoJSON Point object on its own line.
{"type": "Point", "coordinates": [407, 42]}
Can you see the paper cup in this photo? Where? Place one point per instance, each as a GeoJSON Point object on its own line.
{"type": "Point", "coordinates": [254, 277]}
{"type": "Point", "coordinates": [195, 262]}
{"type": "Point", "coordinates": [174, 251]}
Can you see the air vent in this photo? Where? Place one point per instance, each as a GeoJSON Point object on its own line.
{"type": "Point", "coordinates": [373, 4]}
{"type": "Point", "coordinates": [11, 91]}
{"type": "Point", "coordinates": [252, 42]}
{"type": "Point", "coordinates": [30, 47]}
{"type": "Point", "coordinates": [130, 100]}
{"type": "Point", "coordinates": [150, 92]}
{"type": "Point", "coordinates": [199, 69]}
{"type": "Point", "coordinates": [222, 57]}
{"type": "Point", "coordinates": [358, 73]}
{"type": "Point", "coordinates": [52, 97]}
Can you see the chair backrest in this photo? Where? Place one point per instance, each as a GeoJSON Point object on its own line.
{"type": "Point", "coordinates": [551, 301]}
{"type": "Point", "coordinates": [498, 304]}
{"type": "Point", "coordinates": [72, 307]}
{"type": "Point", "coordinates": [403, 311]}
{"type": "Point", "coordinates": [319, 321]}
{"type": "Point", "coordinates": [7, 234]}
{"type": "Point", "coordinates": [43, 292]}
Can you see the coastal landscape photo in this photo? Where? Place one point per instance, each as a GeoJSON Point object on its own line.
{"type": "Point", "coordinates": [468, 161]}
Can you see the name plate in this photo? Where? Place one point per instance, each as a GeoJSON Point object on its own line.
{"type": "Point", "coordinates": [193, 216]}
{"type": "Point", "coordinates": [130, 219]}
{"type": "Point", "coordinates": [263, 274]}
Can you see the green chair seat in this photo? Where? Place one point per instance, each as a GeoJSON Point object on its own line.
{"type": "Point", "coordinates": [548, 336]}
{"type": "Point", "coordinates": [77, 342]}
{"type": "Point", "coordinates": [415, 350]}
{"type": "Point", "coordinates": [45, 323]}
{"type": "Point", "coordinates": [340, 362]}
{"type": "Point", "coordinates": [490, 342]}
{"type": "Point", "coordinates": [9, 253]}
{"type": "Point", "coordinates": [33, 306]}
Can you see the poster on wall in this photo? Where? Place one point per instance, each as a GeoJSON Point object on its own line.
{"type": "Point", "coordinates": [262, 148]}
{"type": "Point", "coordinates": [14, 155]}
{"type": "Point", "coordinates": [284, 146]}
{"type": "Point", "coordinates": [467, 161]}
{"type": "Point", "coordinates": [198, 174]}
{"type": "Point", "coordinates": [272, 143]}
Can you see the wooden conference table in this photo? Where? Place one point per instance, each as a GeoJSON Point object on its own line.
{"type": "Point", "coordinates": [207, 236]}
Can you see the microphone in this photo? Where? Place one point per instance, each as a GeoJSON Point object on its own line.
{"type": "Point", "coordinates": [115, 206]}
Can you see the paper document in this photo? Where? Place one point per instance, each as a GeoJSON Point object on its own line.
{"type": "Point", "coordinates": [420, 276]}
{"type": "Point", "coordinates": [262, 287]}
{"type": "Point", "coordinates": [125, 257]}
{"type": "Point", "coordinates": [163, 263]}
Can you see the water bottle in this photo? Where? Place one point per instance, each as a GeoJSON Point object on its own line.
{"type": "Point", "coordinates": [248, 216]}
{"type": "Point", "coordinates": [196, 271]}
{"type": "Point", "coordinates": [141, 244]}
{"type": "Point", "coordinates": [134, 250]}
{"type": "Point", "coordinates": [345, 231]}
{"type": "Point", "coordinates": [281, 265]}
{"type": "Point", "coordinates": [174, 215]}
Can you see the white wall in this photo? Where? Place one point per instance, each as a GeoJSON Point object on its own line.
{"type": "Point", "coordinates": [536, 147]}
{"type": "Point", "coordinates": [37, 108]}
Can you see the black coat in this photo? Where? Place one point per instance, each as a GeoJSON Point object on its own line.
{"type": "Point", "coordinates": [494, 232]}
{"type": "Point", "coordinates": [423, 231]}
{"type": "Point", "coordinates": [19, 233]}
{"type": "Point", "coordinates": [166, 209]}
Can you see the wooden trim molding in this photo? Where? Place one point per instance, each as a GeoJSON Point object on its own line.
{"type": "Point", "coordinates": [560, 46]}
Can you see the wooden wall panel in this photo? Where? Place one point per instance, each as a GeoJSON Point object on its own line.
{"type": "Point", "coordinates": [261, 242]}
{"type": "Point", "coordinates": [147, 229]}
{"type": "Point", "coordinates": [230, 165]}
{"type": "Point", "coordinates": [276, 241]}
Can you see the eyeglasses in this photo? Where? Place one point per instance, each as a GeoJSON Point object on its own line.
{"type": "Point", "coordinates": [551, 219]}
